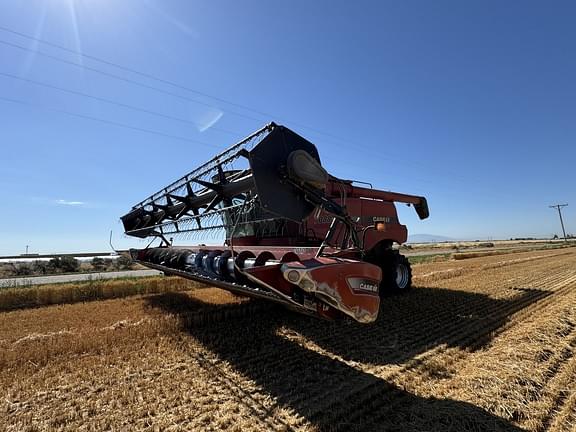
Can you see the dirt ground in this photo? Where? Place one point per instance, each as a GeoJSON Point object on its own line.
{"type": "Point", "coordinates": [479, 344]}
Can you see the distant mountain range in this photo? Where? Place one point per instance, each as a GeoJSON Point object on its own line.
{"type": "Point", "coordinates": [429, 238]}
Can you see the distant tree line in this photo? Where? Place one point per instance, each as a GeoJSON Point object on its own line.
{"type": "Point", "coordinates": [64, 264]}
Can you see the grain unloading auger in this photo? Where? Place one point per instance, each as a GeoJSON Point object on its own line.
{"type": "Point", "coordinates": [293, 234]}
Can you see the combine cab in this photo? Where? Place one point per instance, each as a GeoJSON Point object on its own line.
{"type": "Point", "coordinates": [291, 232]}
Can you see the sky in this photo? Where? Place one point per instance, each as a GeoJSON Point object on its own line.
{"type": "Point", "coordinates": [471, 104]}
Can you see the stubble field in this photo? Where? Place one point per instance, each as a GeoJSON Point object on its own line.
{"type": "Point", "coordinates": [480, 344]}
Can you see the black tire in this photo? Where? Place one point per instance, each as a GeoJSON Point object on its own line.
{"type": "Point", "coordinates": [396, 274]}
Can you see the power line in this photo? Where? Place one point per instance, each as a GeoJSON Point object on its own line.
{"type": "Point", "coordinates": [559, 208]}
{"type": "Point", "coordinates": [162, 80]}
{"type": "Point", "coordinates": [127, 80]}
{"type": "Point", "coordinates": [108, 101]}
{"type": "Point", "coordinates": [268, 116]}
{"type": "Point", "coordinates": [342, 142]}
{"type": "Point", "coordinates": [124, 68]}
{"type": "Point", "coordinates": [110, 122]}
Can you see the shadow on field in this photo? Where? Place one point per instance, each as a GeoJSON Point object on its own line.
{"type": "Point", "coordinates": [417, 321]}
{"type": "Point", "coordinates": [336, 396]}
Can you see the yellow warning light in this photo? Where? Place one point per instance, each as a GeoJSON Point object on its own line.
{"type": "Point", "coordinates": [380, 226]}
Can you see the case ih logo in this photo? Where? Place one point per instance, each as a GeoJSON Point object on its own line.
{"type": "Point", "coordinates": [362, 284]}
{"type": "Point", "coordinates": [327, 219]}
{"type": "Point", "coordinates": [385, 219]}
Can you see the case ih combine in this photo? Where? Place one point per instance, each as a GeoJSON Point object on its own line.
{"type": "Point", "coordinates": [293, 234]}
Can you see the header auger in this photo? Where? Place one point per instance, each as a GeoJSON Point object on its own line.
{"type": "Point", "coordinates": [292, 233]}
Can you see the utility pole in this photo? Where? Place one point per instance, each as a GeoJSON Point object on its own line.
{"type": "Point", "coordinates": [559, 208]}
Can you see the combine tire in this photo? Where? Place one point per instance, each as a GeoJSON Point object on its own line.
{"type": "Point", "coordinates": [396, 274]}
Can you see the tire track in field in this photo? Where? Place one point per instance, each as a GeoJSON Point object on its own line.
{"type": "Point", "coordinates": [280, 367]}
{"type": "Point", "coordinates": [443, 354]}
{"type": "Point", "coordinates": [284, 367]}
{"type": "Point", "coordinates": [416, 326]}
{"type": "Point", "coordinates": [461, 356]}
{"type": "Point", "coordinates": [364, 334]}
{"type": "Point", "coordinates": [476, 268]}
{"type": "Point", "coordinates": [211, 366]}
{"type": "Point", "coordinates": [565, 419]}
{"type": "Point", "coordinates": [560, 374]}
{"type": "Point", "coordinates": [362, 396]}
{"type": "Point", "coordinates": [471, 340]}
{"type": "Point", "coordinates": [533, 376]}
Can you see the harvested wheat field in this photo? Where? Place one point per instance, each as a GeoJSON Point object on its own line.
{"type": "Point", "coordinates": [480, 344]}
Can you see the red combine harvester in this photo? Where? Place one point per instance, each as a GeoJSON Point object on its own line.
{"type": "Point", "coordinates": [293, 234]}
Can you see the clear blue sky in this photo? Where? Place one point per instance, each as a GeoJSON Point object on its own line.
{"type": "Point", "coordinates": [470, 103]}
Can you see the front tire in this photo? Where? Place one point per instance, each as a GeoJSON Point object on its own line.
{"type": "Point", "coordinates": [396, 274]}
{"type": "Point", "coordinates": [403, 273]}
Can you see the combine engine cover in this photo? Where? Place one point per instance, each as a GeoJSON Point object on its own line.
{"type": "Point", "coordinates": [254, 188]}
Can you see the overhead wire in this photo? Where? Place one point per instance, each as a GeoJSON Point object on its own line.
{"type": "Point", "coordinates": [344, 142]}
{"type": "Point", "coordinates": [111, 102]}
{"type": "Point", "coordinates": [111, 122]}
{"type": "Point", "coordinates": [120, 78]}
{"type": "Point", "coordinates": [162, 80]}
